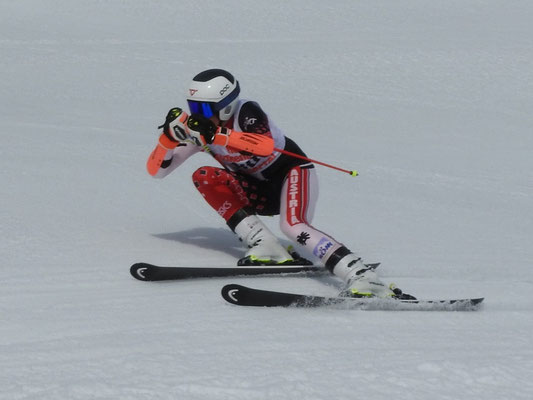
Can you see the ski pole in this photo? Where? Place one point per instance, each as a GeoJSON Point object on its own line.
{"type": "Point", "coordinates": [352, 173]}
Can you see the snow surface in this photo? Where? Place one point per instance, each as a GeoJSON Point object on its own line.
{"type": "Point", "coordinates": [430, 100]}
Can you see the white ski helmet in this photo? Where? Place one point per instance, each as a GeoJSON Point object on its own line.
{"type": "Point", "coordinates": [214, 92]}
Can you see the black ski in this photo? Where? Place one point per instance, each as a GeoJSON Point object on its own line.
{"type": "Point", "coordinates": [245, 296]}
{"type": "Point", "coordinates": [150, 272]}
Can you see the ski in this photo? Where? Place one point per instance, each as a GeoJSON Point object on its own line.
{"type": "Point", "coordinates": [150, 272]}
{"type": "Point", "coordinates": [246, 296]}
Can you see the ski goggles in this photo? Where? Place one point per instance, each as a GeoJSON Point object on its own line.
{"type": "Point", "coordinates": [204, 108]}
{"type": "Point", "coordinates": [208, 108]}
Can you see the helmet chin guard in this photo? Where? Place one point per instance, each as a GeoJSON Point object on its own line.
{"type": "Point", "coordinates": [214, 92]}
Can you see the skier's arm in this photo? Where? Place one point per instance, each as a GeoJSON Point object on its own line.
{"type": "Point", "coordinates": [203, 131]}
{"type": "Point", "coordinates": [172, 149]}
{"type": "Point", "coordinates": [167, 160]}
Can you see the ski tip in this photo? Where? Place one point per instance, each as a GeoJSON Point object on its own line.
{"type": "Point", "coordinates": [477, 301]}
{"type": "Point", "coordinates": [232, 293]}
{"type": "Point", "coordinates": [138, 271]}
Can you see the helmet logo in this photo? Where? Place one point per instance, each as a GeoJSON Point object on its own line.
{"type": "Point", "coordinates": [224, 90]}
{"type": "Point", "coordinates": [193, 91]}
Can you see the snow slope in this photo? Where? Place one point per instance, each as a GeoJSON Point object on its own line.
{"type": "Point", "coordinates": [430, 101]}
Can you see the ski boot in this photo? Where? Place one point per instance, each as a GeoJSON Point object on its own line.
{"type": "Point", "coordinates": [264, 247]}
{"type": "Point", "coordinates": [362, 279]}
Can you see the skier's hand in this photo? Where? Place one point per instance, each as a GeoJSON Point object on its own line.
{"type": "Point", "coordinates": [202, 129]}
{"type": "Point", "coordinates": [175, 126]}
{"type": "Point", "coordinates": [222, 138]}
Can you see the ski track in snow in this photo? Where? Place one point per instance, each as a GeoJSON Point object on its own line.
{"type": "Point", "coordinates": [429, 101]}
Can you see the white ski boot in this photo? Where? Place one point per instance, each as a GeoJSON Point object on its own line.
{"type": "Point", "coordinates": [265, 249]}
{"type": "Point", "coordinates": [362, 280]}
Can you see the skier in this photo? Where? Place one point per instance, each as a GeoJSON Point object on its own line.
{"type": "Point", "coordinates": [252, 183]}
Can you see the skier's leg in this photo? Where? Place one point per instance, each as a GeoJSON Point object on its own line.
{"type": "Point", "coordinates": [226, 195]}
{"type": "Point", "coordinates": [298, 200]}
{"type": "Point", "coordinates": [221, 190]}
